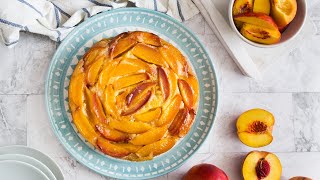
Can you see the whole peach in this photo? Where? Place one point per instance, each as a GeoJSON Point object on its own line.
{"type": "Point", "coordinates": [205, 172]}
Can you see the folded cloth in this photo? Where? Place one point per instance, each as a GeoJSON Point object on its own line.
{"type": "Point", "coordinates": [57, 18]}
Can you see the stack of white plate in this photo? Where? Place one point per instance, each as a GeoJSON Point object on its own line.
{"type": "Point", "coordinates": [24, 163]}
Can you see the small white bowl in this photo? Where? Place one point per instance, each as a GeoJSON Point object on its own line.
{"type": "Point", "coordinates": [290, 33]}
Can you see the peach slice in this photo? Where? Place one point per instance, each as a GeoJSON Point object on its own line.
{"type": "Point", "coordinates": [261, 165]}
{"type": "Point", "coordinates": [130, 80]}
{"type": "Point", "coordinates": [111, 134]}
{"type": "Point", "coordinates": [186, 93]}
{"type": "Point", "coordinates": [106, 73]}
{"type": "Point", "coordinates": [138, 102]}
{"type": "Point", "coordinates": [130, 126]}
{"type": "Point", "coordinates": [150, 136]}
{"type": "Point", "coordinates": [260, 35]}
{"type": "Point", "coordinates": [76, 87]}
{"type": "Point", "coordinates": [148, 54]}
{"type": "Point", "coordinates": [283, 11]}
{"type": "Point", "coordinates": [134, 157]}
{"type": "Point", "coordinates": [93, 71]}
{"type": "Point", "coordinates": [186, 125]}
{"type": "Point", "coordinates": [95, 107]}
{"type": "Point", "coordinates": [84, 127]}
{"type": "Point", "coordinates": [131, 66]}
{"type": "Point", "coordinates": [111, 149]}
{"type": "Point", "coordinates": [193, 83]}
{"type": "Point", "coordinates": [176, 124]}
{"type": "Point", "coordinates": [242, 6]}
{"type": "Point", "coordinates": [109, 101]}
{"type": "Point", "coordinates": [175, 59]}
{"type": "Point", "coordinates": [138, 90]}
{"type": "Point", "coordinates": [258, 19]}
{"type": "Point", "coordinates": [149, 116]}
{"type": "Point", "coordinates": [163, 83]}
{"type": "Point", "coordinates": [130, 147]}
{"type": "Point", "coordinates": [255, 127]}
{"type": "Point", "coordinates": [147, 38]}
{"type": "Point", "coordinates": [170, 111]}
{"type": "Point", "coordinates": [121, 46]}
{"type": "Point", "coordinates": [261, 6]}
{"type": "Point", "coordinates": [91, 56]}
{"type": "Point", "coordinates": [157, 148]}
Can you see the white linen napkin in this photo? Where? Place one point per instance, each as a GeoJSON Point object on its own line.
{"type": "Point", "coordinates": [56, 18]}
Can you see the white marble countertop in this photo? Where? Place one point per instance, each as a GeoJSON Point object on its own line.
{"type": "Point", "coordinates": [290, 89]}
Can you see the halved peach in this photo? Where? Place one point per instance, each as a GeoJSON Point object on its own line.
{"type": "Point", "coordinates": [157, 148]}
{"type": "Point", "coordinates": [148, 54]}
{"type": "Point", "coordinates": [261, 6]}
{"type": "Point", "coordinates": [94, 107]}
{"type": "Point", "coordinates": [111, 149]}
{"type": "Point", "coordinates": [242, 6]}
{"type": "Point", "coordinates": [163, 83]}
{"type": "Point", "coordinates": [170, 111]}
{"type": "Point", "coordinates": [258, 19]}
{"type": "Point", "coordinates": [130, 127]}
{"type": "Point", "coordinates": [261, 165]}
{"type": "Point", "coordinates": [186, 93]}
{"type": "Point", "coordinates": [137, 103]}
{"type": "Point", "coordinates": [175, 59]}
{"type": "Point", "coordinates": [176, 124]}
{"type": "Point", "coordinates": [76, 87]}
{"type": "Point", "coordinates": [111, 134]}
{"type": "Point", "coordinates": [150, 136]}
{"type": "Point", "coordinates": [283, 11]}
{"type": "Point", "coordinates": [260, 34]}
{"type": "Point", "coordinates": [255, 127]}
{"type": "Point", "coordinates": [130, 80]}
{"type": "Point", "coordinates": [148, 116]}
{"type": "Point", "coordinates": [93, 71]}
{"type": "Point", "coordinates": [84, 126]}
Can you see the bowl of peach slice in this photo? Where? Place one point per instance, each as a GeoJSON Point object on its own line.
{"type": "Point", "coordinates": [267, 23]}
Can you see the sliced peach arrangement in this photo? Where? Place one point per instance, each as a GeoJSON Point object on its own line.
{"type": "Point", "coordinates": [133, 96]}
{"type": "Point", "coordinates": [255, 127]}
{"type": "Point", "coordinates": [263, 21]}
{"type": "Point", "coordinates": [261, 165]}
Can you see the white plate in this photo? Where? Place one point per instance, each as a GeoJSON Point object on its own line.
{"type": "Point", "coordinates": [29, 160]}
{"type": "Point", "coordinates": [17, 170]}
{"type": "Point", "coordinates": [46, 160]}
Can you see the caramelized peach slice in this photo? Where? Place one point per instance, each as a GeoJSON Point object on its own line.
{"type": "Point", "coordinates": [260, 35]}
{"type": "Point", "coordinates": [134, 157]}
{"type": "Point", "coordinates": [111, 149]}
{"type": "Point", "coordinates": [150, 136]}
{"type": "Point", "coordinates": [258, 19]}
{"type": "Point", "coordinates": [121, 46]}
{"type": "Point", "coordinates": [130, 80]}
{"type": "Point", "coordinates": [111, 134]}
{"type": "Point", "coordinates": [163, 83]}
{"type": "Point", "coordinates": [147, 38]}
{"type": "Point", "coordinates": [130, 147]}
{"type": "Point", "coordinates": [149, 116]}
{"type": "Point", "coordinates": [173, 83]}
{"type": "Point", "coordinates": [170, 111]}
{"type": "Point", "coordinates": [148, 54]}
{"type": "Point", "coordinates": [137, 104]}
{"type": "Point", "coordinates": [131, 66]}
{"type": "Point", "coordinates": [130, 126]}
{"type": "Point", "coordinates": [175, 59]}
{"type": "Point", "coordinates": [106, 74]}
{"type": "Point", "coordinates": [186, 125]}
{"type": "Point", "coordinates": [95, 107]}
{"type": "Point", "coordinates": [109, 101]}
{"type": "Point", "coordinates": [176, 124]}
{"type": "Point", "coordinates": [157, 148]}
{"type": "Point", "coordinates": [193, 83]}
{"type": "Point", "coordinates": [138, 90]}
{"type": "Point", "coordinates": [76, 87]}
{"type": "Point", "coordinates": [255, 127]}
{"type": "Point", "coordinates": [84, 127]}
{"type": "Point", "coordinates": [186, 93]}
{"type": "Point", "coordinates": [93, 71]}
